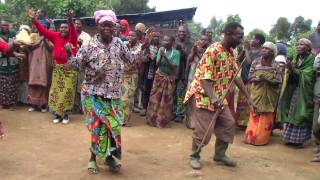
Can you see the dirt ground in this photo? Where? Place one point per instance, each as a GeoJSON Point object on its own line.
{"type": "Point", "coordinates": [36, 149]}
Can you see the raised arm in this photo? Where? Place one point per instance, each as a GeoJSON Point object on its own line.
{"type": "Point", "coordinates": [43, 31]}
{"type": "Point", "coordinates": [73, 38]}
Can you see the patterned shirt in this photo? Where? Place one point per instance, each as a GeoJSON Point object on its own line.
{"type": "Point", "coordinates": [103, 67]}
{"type": "Point", "coordinates": [218, 66]}
{"type": "Point", "coordinates": [137, 56]}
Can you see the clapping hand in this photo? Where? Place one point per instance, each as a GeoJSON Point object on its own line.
{"type": "Point", "coordinates": [31, 14]}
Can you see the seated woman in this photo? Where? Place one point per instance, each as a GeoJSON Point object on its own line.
{"type": "Point", "coordinates": [265, 78]}
{"type": "Point", "coordinates": [160, 107]}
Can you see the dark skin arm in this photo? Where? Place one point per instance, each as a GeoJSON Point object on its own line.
{"type": "Point", "coordinates": [243, 89]}
{"type": "Point", "coordinates": [166, 60]}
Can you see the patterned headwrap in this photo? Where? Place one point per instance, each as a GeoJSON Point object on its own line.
{"type": "Point", "coordinates": [306, 42]}
{"type": "Point", "coordinates": [25, 27]}
{"type": "Point", "coordinates": [140, 27]}
{"type": "Point", "coordinates": [105, 15]}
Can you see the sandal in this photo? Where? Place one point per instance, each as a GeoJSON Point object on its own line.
{"type": "Point", "coordinates": [114, 166]}
{"type": "Point", "coordinates": [92, 167]}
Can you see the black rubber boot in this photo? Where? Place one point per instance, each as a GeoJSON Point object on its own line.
{"type": "Point", "coordinates": [195, 157]}
{"type": "Point", "coordinates": [220, 154]}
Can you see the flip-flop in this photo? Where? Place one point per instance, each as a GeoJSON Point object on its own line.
{"type": "Point", "coordinates": [92, 167]}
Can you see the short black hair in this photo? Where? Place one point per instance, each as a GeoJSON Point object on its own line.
{"type": "Point", "coordinates": [230, 27]}
{"type": "Point", "coordinates": [170, 37]}
{"type": "Point", "coordinates": [260, 37]}
{"type": "Point", "coordinates": [43, 11]}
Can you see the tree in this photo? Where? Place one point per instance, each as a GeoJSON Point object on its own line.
{"type": "Point", "coordinates": [58, 8]}
{"type": "Point", "coordinates": [194, 30]}
{"type": "Point", "coordinates": [300, 25]}
{"type": "Point", "coordinates": [256, 31]}
{"type": "Point", "coordinates": [216, 28]}
{"type": "Point", "coordinates": [281, 29]}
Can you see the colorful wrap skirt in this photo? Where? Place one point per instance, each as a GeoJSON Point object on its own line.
{"type": "Point", "coordinates": [62, 91]}
{"type": "Point", "coordinates": [104, 120]}
{"type": "Point", "coordinates": [160, 107]}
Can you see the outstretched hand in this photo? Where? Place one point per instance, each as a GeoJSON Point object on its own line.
{"type": "Point", "coordinates": [70, 14]}
{"type": "Point", "coordinates": [31, 14]}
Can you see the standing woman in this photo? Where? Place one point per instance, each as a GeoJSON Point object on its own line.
{"type": "Point", "coordinates": [131, 73]}
{"type": "Point", "coordinates": [9, 71]}
{"type": "Point", "coordinates": [64, 79]}
{"type": "Point", "coordinates": [40, 70]}
{"type": "Point", "coordinates": [265, 78]}
{"type": "Point", "coordinates": [160, 108]}
{"type": "Point", "coordinates": [103, 62]}
{"type": "Point", "coordinates": [297, 101]}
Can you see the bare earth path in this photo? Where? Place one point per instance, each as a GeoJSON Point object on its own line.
{"type": "Point", "coordinates": [36, 149]}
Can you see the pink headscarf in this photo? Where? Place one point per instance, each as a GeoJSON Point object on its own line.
{"type": "Point", "coordinates": [105, 15]}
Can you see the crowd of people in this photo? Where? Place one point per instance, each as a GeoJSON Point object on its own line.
{"type": "Point", "coordinates": [211, 87]}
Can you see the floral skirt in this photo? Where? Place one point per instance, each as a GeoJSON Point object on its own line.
{"type": "Point", "coordinates": [243, 109]}
{"type": "Point", "coordinates": [129, 87]}
{"type": "Point", "coordinates": [8, 89]}
{"type": "Point", "coordinates": [104, 120]}
{"type": "Point", "coordinates": [259, 128]}
{"type": "Point", "coordinates": [62, 91]}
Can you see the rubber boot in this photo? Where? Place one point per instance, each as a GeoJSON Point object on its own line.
{"type": "Point", "coordinates": [220, 154]}
{"type": "Point", "coordinates": [195, 157]}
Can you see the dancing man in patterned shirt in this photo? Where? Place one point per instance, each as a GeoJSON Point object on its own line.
{"type": "Point", "coordinates": [213, 75]}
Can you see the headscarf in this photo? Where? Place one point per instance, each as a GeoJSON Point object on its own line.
{"type": "Point", "coordinates": [306, 42]}
{"type": "Point", "coordinates": [25, 27]}
{"type": "Point", "coordinates": [271, 46]}
{"type": "Point", "coordinates": [101, 16]}
{"type": "Point", "coordinates": [141, 27]}
{"type": "Point", "coordinates": [126, 24]}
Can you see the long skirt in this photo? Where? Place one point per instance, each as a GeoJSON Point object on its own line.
{"type": "Point", "coordinates": [259, 128]}
{"type": "Point", "coordinates": [8, 89]}
{"type": "Point", "coordinates": [243, 109]}
{"type": "Point", "coordinates": [180, 92]}
{"type": "Point", "coordinates": [38, 95]}
{"type": "Point", "coordinates": [104, 120]}
{"type": "Point", "coordinates": [23, 92]}
{"type": "Point", "coordinates": [160, 107]}
{"type": "Point", "coordinates": [296, 134]}
{"type": "Point", "coordinates": [62, 91]}
{"type": "Point", "coordinates": [129, 87]}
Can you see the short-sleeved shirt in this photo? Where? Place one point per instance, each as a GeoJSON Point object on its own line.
{"type": "Point", "coordinates": [218, 66]}
{"type": "Point", "coordinates": [174, 58]}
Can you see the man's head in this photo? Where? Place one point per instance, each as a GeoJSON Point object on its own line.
{"type": "Point", "coordinates": [132, 37]}
{"type": "Point", "coordinates": [155, 38]}
{"type": "Point", "coordinates": [117, 29]}
{"type": "Point", "coordinates": [78, 24]}
{"type": "Point", "coordinates": [64, 29]}
{"type": "Point", "coordinates": [4, 26]}
{"type": "Point", "coordinates": [207, 32]}
{"type": "Point", "coordinates": [182, 33]}
{"type": "Point", "coordinates": [41, 14]}
{"type": "Point", "coordinates": [318, 27]}
{"type": "Point", "coordinates": [204, 41]}
{"type": "Point", "coordinates": [168, 41]}
{"type": "Point", "coordinates": [233, 34]}
{"type": "Point", "coordinates": [258, 40]}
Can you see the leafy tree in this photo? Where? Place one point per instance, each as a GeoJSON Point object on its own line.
{"type": "Point", "coordinates": [300, 25]}
{"type": "Point", "coordinates": [194, 30]}
{"type": "Point", "coordinates": [256, 31]}
{"type": "Point", "coordinates": [281, 29]}
{"type": "Point", "coordinates": [216, 28]}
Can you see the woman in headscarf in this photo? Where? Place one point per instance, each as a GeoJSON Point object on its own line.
{"type": "Point", "coordinates": [160, 108]}
{"type": "Point", "coordinates": [40, 70]}
{"type": "Point", "coordinates": [264, 78]}
{"type": "Point", "coordinates": [125, 28]}
{"type": "Point", "coordinates": [103, 62]}
{"type": "Point", "coordinates": [297, 101]}
{"type": "Point", "coordinates": [64, 78]}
